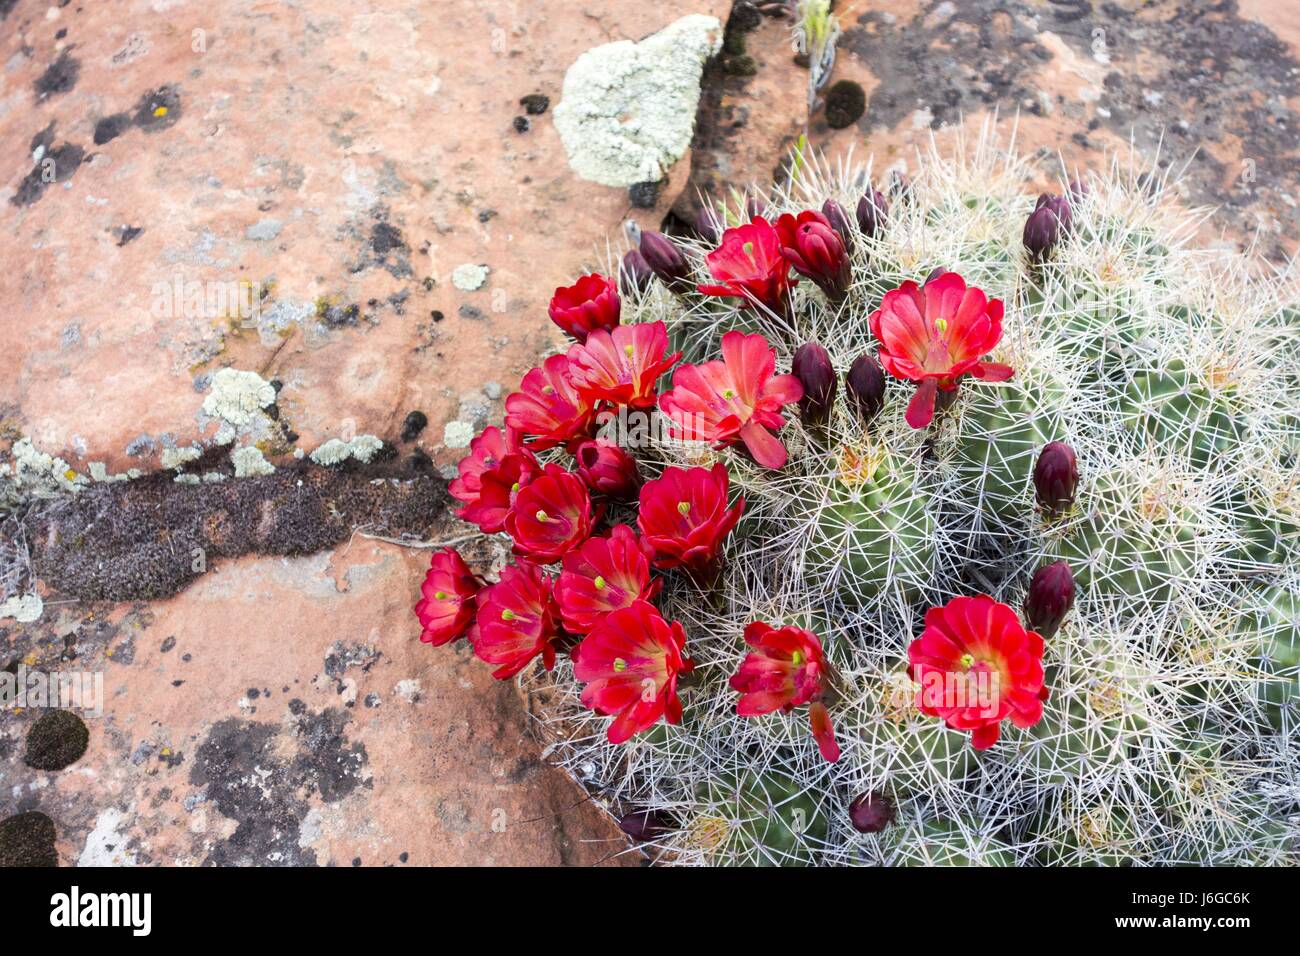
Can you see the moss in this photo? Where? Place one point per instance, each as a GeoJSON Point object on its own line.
{"type": "Point", "coordinates": [59, 738]}
{"type": "Point", "coordinates": [845, 104]}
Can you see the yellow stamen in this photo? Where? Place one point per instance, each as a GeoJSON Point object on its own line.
{"type": "Point", "coordinates": [967, 660]}
{"type": "Point", "coordinates": [683, 507]}
{"type": "Point", "coordinates": [620, 665]}
{"type": "Point", "coordinates": [542, 516]}
{"type": "Point", "coordinates": [507, 615]}
{"type": "Point", "coordinates": [440, 596]}
{"type": "Point", "coordinates": [941, 325]}
{"type": "Point", "coordinates": [599, 582]}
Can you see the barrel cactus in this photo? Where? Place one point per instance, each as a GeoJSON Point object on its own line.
{"type": "Point", "coordinates": [762, 618]}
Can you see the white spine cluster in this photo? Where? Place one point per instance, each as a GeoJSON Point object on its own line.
{"type": "Point", "coordinates": [1170, 733]}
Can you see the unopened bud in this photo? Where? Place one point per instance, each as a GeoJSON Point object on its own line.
{"type": "Point", "coordinates": [1056, 477]}
{"type": "Point", "coordinates": [666, 261]}
{"type": "Point", "coordinates": [865, 387]}
{"type": "Point", "coordinates": [871, 812]}
{"type": "Point", "coordinates": [839, 219]}
{"type": "Point", "coordinates": [1049, 599]}
{"type": "Point", "coordinates": [812, 367]}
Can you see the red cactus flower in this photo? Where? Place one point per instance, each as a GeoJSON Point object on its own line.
{"type": "Point", "coordinates": [976, 666]}
{"type": "Point", "coordinates": [548, 410]}
{"type": "Point", "coordinates": [515, 620]}
{"type": "Point", "coordinates": [552, 515]}
{"type": "Point", "coordinates": [630, 662]}
{"type": "Point", "coordinates": [485, 452]}
{"type": "Point", "coordinates": [749, 264]}
{"type": "Point", "coordinates": [607, 469]}
{"type": "Point", "coordinates": [933, 335]}
{"type": "Point", "coordinates": [737, 398]}
{"type": "Point", "coordinates": [602, 576]}
{"type": "Point", "coordinates": [810, 243]}
{"type": "Point", "coordinates": [446, 606]}
{"type": "Point", "coordinates": [622, 366]}
{"type": "Point", "coordinates": [786, 669]}
{"type": "Point", "coordinates": [684, 517]}
{"type": "Point", "coordinates": [498, 488]}
{"type": "Point", "coordinates": [590, 303]}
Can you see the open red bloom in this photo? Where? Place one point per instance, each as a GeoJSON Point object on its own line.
{"type": "Point", "coordinates": [749, 264]}
{"type": "Point", "coordinates": [935, 334]}
{"type": "Point", "coordinates": [548, 410]}
{"type": "Point", "coordinates": [498, 488]}
{"type": "Point", "coordinates": [786, 669]}
{"type": "Point", "coordinates": [602, 576]}
{"type": "Point", "coordinates": [630, 663]}
{"type": "Point", "coordinates": [515, 620]}
{"type": "Point", "coordinates": [551, 516]}
{"type": "Point", "coordinates": [684, 516]}
{"type": "Point", "coordinates": [485, 453]}
{"type": "Point", "coordinates": [736, 398]}
{"type": "Point", "coordinates": [590, 303]}
{"type": "Point", "coordinates": [607, 469]}
{"type": "Point", "coordinates": [622, 366]}
{"type": "Point", "coordinates": [815, 249]}
{"type": "Point", "coordinates": [976, 665]}
{"type": "Point", "coordinates": [446, 606]}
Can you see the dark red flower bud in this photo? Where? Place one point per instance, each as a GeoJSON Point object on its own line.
{"type": "Point", "coordinates": [934, 274]}
{"type": "Point", "coordinates": [838, 217]}
{"type": "Point", "coordinates": [1046, 224]}
{"type": "Point", "coordinates": [666, 261]}
{"type": "Point", "coordinates": [872, 211]}
{"type": "Point", "coordinates": [644, 826]}
{"type": "Point", "coordinates": [755, 208]}
{"type": "Point", "coordinates": [812, 367]}
{"type": "Point", "coordinates": [871, 812]}
{"type": "Point", "coordinates": [1077, 189]}
{"type": "Point", "coordinates": [1056, 477]}
{"type": "Point", "coordinates": [815, 250]}
{"type": "Point", "coordinates": [1049, 599]}
{"type": "Point", "coordinates": [608, 469]}
{"type": "Point", "coordinates": [634, 273]}
{"type": "Point", "coordinates": [708, 226]}
{"type": "Point", "coordinates": [865, 386]}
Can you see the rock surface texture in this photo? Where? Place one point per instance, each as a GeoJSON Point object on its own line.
{"type": "Point", "coordinates": [268, 267]}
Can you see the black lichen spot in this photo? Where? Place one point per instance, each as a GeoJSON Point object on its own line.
{"type": "Point", "coordinates": [27, 839]}
{"type": "Point", "coordinates": [385, 237]}
{"type": "Point", "coordinates": [522, 124]}
{"type": "Point", "coordinates": [168, 643]}
{"type": "Point", "coordinates": [59, 77]}
{"type": "Point", "coordinates": [57, 739]}
{"type": "Point", "coordinates": [356, 861]}
{"type": "Point", "coordinates": [415, 423]}
{"type": "Point", "coordinates": [644, 195]}
{"type": "Point", "coordinates": [535, 104]}
{"type": "Point", "coordinates": [126, 233]}
{"type": "Point", "coordinates": [404, 856]}
{"type": "Point", "coordinates": [6, 7]}
{"type": "Point", "coordinates": [158, 110]}
{"type": "Point", "coordinates": [111, 127]}
{"type": "Point", "coordinates": [55, 166]}
{"type": "Point", "coordinates": [845, 104]}
{"type": "Point", "coordinates": [468, 311]}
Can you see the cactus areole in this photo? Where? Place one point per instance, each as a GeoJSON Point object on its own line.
{"type": "Point", "coordinates": [935, 612]}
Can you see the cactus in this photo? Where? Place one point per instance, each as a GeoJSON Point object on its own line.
{"type": "Point", "coordinates": [1171, 372]}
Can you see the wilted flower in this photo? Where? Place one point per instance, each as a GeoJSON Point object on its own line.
{"type": "Point", "coordinates": [1050, 597]}
{"type": "Point", "coordinates": [684, 516]}
{"type": "Point", "coordinates": [607, 469]}
{"type": "Point", "coordinates": [935, 335]}
{"type": "Point", "coordinates": [786, 669]}
{"type": "Point", "coordinates": [1046, 224]}
{"type": "Point", "coordinates": [634, 274]}
{"type": "Point", "coordinates": [548, 410]}
{"type": "Point", "coordinates": [812, 367]}
{"type": "Point", "coordinates": [666, 261]}
{"type": "Point", "coordinates": [622, 366]}
{"type": "Point", "coordinates": [871, 812]}
{"type": "Point", "coordinates": [602, 576]}
{"type": "Point", "coordinates": [590, 303]}
{"type": "Point", "coordinates": [515, 621]}
{"type": "Point", "coordinates": [551, 516]}
{"type": "Point", "coordinates": [839, 219]}
{"type": "Point", "coordinates": [630, 663]}
{"type": "Point", "coordinates": [816, 250]}
{"type": "Point", "coordinates": [749, 264]}
{"type": "Point", "coordinates": [865, 386]}
{"type": "Point", "coordinates": [1056, 477]}
{"type": "Point", "coordinates": [873, 208]}
{"type": "Point", "coordinates": [735, 399]}
{"type": "Point", "coordinates": [446, 606]}
{"type": "Point", "coordinates": [977, 666]}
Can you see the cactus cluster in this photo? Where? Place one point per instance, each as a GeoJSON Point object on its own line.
{"type": "Point", "coordinates": [1169, 378]}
